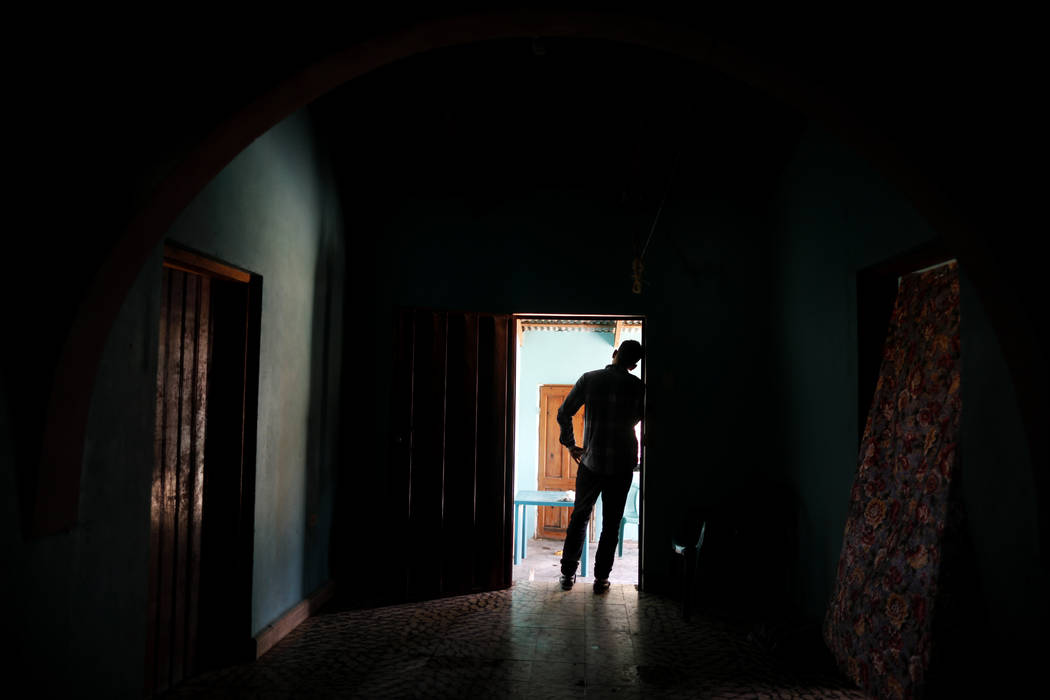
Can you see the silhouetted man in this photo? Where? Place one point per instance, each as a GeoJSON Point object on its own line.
{"type": "Point", "coordinates": [613, 398]}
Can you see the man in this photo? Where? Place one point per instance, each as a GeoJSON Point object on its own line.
{"type": "Point", "coordinates": [607, 460]}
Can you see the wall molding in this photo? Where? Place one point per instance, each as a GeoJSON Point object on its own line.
{"type": "Point", "coordinates": [277, 630]}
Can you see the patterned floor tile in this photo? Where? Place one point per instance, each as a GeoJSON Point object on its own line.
{"type": "Point", "coordinates": [533, 640]}
{"type": "Point", "coordinates": [611, 674]}
{"type": "Point", "coordinates": [556, 691]}
{"type": "Point", "coordinates": [500, 689]}
{"type": "Point", "coordinates": [614, 692]}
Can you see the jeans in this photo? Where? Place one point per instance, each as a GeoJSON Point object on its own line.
{"type": "Point", "coordinates": [613, 489]}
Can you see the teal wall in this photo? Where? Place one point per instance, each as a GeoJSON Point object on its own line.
{"type": "Point", "coordinates": [1000, 500]}
{"type": "Point", "coordinates": [274, 211]}
{"type": "Point", "coordinates": [836, 216]}
{"type": "Point", "coordinates": [271, 211]}
{"type": "Point", "coordinates": [552, 357]}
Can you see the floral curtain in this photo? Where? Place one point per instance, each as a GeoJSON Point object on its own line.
{"type": "Point", "coordinates": [879, 619]}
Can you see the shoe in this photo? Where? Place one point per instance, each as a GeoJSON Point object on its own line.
{"type": "Point", "coordinates": [601, 585]}
{"type": "Point", "coordinates": [567, 581]}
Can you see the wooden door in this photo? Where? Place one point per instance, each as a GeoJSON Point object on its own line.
{"type": "Point", "coordinates": [450, 490]}
{"type": "Point", "coordinates": [202, 509]}
{"type": "Point", "coordinates": [178, 477]}
{"type": "Point", "coordinates": [557, 468]}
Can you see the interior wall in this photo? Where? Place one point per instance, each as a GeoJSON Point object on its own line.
{"type": "Point", "coordinates": [999, 497]}
{"type": "Point", "coordinates": [836, 216]}
{"type": "Point", "coordinates": [82, 606]}
{"type": "Point", "coordinates": [272, 212]}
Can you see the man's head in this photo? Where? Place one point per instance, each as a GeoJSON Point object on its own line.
{"type": "Point", "coordinates": [628, 355]}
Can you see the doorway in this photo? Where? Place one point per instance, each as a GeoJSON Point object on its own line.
{"type": "Point", "coordinates": [202, 504]}
{"type": "Point", "coordinates": [553, 351]}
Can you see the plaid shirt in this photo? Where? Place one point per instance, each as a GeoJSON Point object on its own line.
{"type": "Point", "coordinates": [613, 397]}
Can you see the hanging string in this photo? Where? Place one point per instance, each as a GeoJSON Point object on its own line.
{"type": "Point", "coordinates": [638, 266]}
{"type": "Point", "coordinates": [652, 229]}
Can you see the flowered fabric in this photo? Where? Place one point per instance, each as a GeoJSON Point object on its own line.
{"type": "Point", "coordinates": [879, 620]}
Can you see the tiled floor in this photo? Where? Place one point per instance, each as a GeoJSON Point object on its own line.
{"type": "Point", "coordinates": [532, 641]}
{"type": "Point", "coordinates": [543, 563]}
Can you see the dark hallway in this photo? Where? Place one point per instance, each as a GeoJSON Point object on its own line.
{"type": "Point", "coordinates": [458, 168]}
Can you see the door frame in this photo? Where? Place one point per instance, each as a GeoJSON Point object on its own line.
{"type": "Point", "coordinates": [526, 316]}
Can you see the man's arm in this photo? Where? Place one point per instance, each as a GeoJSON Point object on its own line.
{"type": "Point", "coordinates": [569, 407]}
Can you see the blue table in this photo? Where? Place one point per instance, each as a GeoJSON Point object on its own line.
{"type": "Point", "coordinates": [542, 498]}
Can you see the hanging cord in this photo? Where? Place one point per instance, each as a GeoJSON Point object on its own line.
{"type": "Point", "coordinates": [638, 266]}
{"type": "Point", "coordinates": [652, 229]}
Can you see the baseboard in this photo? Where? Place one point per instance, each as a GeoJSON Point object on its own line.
{"type": "Point", "coordinates": [279, 628]}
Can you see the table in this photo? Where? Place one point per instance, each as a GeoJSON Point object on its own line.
{"type": "Point", "coordinates": [542, 498]}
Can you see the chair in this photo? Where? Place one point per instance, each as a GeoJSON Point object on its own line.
{"type": "Point", "coordinates": [686, 543]}
{"type": "Point", "coordinates": [630, 513]}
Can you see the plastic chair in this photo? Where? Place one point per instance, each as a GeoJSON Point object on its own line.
{"type": "Point", "coordinates": [687, 543]}
{"type": "Point", "coordinates": [630, 513]}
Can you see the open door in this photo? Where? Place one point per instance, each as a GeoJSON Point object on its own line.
{"type": "Point", "coordinates": [450, 475]}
